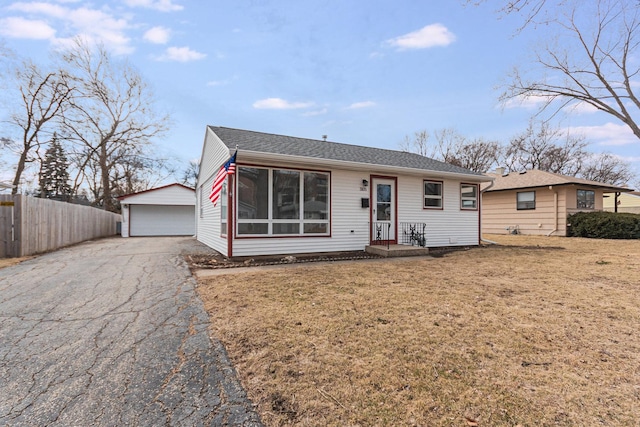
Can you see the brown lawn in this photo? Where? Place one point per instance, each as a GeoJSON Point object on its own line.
{"type": "Point", "coordinates": [8, 262]}
{"type": "Point", "coordinates": [538, 331]}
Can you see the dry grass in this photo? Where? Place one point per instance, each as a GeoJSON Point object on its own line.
{"type": "Point", "coordinates": [8, 262]}
{"type": "Point", "coordinates": [543, 331]}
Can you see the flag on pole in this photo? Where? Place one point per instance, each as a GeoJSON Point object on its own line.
{"type": "Point", "coordinates": [229, 168]}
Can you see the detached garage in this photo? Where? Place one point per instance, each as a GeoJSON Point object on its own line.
{"type": "Point", "coordinates": [162, 211]}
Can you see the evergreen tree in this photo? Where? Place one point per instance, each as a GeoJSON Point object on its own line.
{"type": "Point", "coordinates": [54, 176]}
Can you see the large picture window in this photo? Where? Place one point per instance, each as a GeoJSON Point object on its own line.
{"type": "Point", "coordinates": [280, 202]}
{"type": "Point", "coordinates": [432, 195]}
{"type": "Point", "coordinates": [586, 199]}
{"type": "Point", "coordinates": [469, 196]}
{"type": "Point", "coordinates": [526, 200]}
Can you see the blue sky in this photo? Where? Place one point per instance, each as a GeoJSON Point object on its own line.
{"type": "Point", "coordinates": [362, 72]}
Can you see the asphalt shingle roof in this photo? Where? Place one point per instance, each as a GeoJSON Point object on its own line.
{"type": "Point", "coordinates": [289, 145]}
{"type": "Point", "coordinates": [538, 178]}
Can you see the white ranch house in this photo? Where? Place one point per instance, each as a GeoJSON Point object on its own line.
{"type": "Point", "coordinates": [295, 195]}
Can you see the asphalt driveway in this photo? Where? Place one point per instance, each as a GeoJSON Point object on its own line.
{"type": "Point", "coordinates": [112, 333]}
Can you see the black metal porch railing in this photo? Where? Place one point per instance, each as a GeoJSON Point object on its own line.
{"type": "Point", "coordinates": [381, 231]}
{"type": "Point", "coordinates": [413, 233]}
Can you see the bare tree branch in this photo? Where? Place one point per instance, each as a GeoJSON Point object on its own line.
{"type": "Point", "coordinates": [594, 64]}
{"type": "Point", "coordinates": [112, 117]}
{"type": "Point", "coordinates": [42, 97]}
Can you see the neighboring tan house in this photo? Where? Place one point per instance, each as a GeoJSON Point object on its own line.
{"type": "Point", "coordinates": [538, 202]}
{"type": "Point", "coordinates": [163, 211]}
{"type": "Point", "coordinates": [627, 202]}
{"type": "Point", "coordinates": [293, 195]}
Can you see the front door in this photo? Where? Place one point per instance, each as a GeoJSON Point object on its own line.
{"type": "Point", "coordinates": [383, 210]}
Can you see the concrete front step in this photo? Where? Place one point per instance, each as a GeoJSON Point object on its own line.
{"type": "Point", "coordinates": [396, 250]}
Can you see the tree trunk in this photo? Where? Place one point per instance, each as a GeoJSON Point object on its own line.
{"type": "Point", "coordinates": [19, 170]}
{"type": "Point", "coordinates": [106, 184]}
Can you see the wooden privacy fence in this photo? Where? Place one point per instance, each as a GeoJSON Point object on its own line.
{"type": "Point", "coordinates": [30, 226]}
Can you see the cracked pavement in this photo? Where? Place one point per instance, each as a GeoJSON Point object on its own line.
{"type": "Point", "coordinates": [109, 333]}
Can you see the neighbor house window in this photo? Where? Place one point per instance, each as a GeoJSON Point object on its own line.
{"type": "Point", "coordinates": [469, 196]}
{"type": "Point", "coordinates": [224, 201]}
{"type": "Point", "coordinates": [282, 202]}
{"type": "Point", "coordinates": [586, 199]}
{"type": "Point", "coordinates": [526, 200]}
{"type": "Point", "coordinates": [432, 195]}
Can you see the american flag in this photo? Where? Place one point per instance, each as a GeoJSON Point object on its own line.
{"type": "Point", "coordinates": [229, 168]}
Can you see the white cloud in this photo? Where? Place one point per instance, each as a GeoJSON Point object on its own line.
{"type": "Point", "coordinates": [607, 134]}
{"type": "Point", "coordinates": [157, 35]}
{"type": "Point", "coordinates": [529, 102]}
{"type": "Point", "coordinates": [42, 8]}
{"type": "Point", "coordinates": [363, 104]}
{"type": "Point", "coordinates": [92, 25]}
{"type": "Point", "coordinates": [315, 113]}
{"type": "Point", "coordinates": [160, 5]}
{"type": "Point", "coordinates": [429, 36]}
{"type": "Point", "coordinates": [280, 104]}
{"type": "Point", "coordinates": [581, 108]}
{"type": "Point", "coordinates": [181, 54]}
{"type": "Point", "coordinates": [20, 28]}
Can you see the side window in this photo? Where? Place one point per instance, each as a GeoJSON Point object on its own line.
{"type": "Point", "coordinates": [432, 195]}
{"type": "Point", "coordinates": [586, 199]}
{"type": "Point", "coordinates": [469, 196]}
{"type": "Point", "coordinates": [526, 200]}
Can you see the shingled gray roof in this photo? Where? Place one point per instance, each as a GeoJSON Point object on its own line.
{"type": "Point", "coordinates": [289, 145]}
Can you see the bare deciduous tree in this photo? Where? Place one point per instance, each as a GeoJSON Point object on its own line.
{"type": "Point", "coordinates": [42, 96]}
{"type": "Point", "coordinates": [112, 116]}
{"type": "Point", "coordinates": [452, 147]}
{"type": "Point", "coordinates": [594, 64]}
{"type": "Point", "coordinates": [546, 148]}
{"type": "Point", "coordinates": [419, 144]}
{"type": "Point", "coordinates": [607, 168]}
{"type": "Point", "coordinates": [190, 174]}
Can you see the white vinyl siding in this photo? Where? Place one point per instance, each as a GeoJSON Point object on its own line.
{"type": "Point", "coordinates": [449, 226]}
{"type": "Point", "coordinates": [208, 231]}
{"type": "Point", "coordinates": [349, 221]}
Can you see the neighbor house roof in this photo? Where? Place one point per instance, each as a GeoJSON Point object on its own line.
{"type": "Point", "coordinates": [319, 149]}
{"type": "Point", "coordinates": [537, 178]}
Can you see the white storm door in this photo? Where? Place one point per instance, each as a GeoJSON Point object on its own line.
{"type": "Point", "coordinates": [384, 209]}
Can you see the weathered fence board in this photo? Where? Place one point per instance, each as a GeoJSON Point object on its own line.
{"type": "Point", "coordinates": [29, 225]}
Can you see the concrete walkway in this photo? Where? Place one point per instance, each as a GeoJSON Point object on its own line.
{"type": "Point", "coordinates": [112, 333]}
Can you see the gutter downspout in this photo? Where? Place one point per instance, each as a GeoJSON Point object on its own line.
{"type": "Point", "coordinates": [555, 211]}
{"type": "Point", "coordinates": [491, 242]}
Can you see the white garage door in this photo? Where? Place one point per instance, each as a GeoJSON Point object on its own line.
{"type": "Point", "coordinates": [162, 220]}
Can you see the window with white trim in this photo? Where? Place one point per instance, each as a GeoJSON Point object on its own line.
{"type": "Point", "coordinates": [526, 200]}
{"type": "Point", "coordinates": [282, 202]}
{"type": "Point", "coordinates": [586, 199]}
{"type": "Point", "coordinates": [469, 196]}
{"type": "Point", "coordinates": [432, 195]}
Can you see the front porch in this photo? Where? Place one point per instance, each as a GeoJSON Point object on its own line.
{"type": "Point", "coordinates": [389, 251]}
{"type": "Point", "coordinates": [411, 239]}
